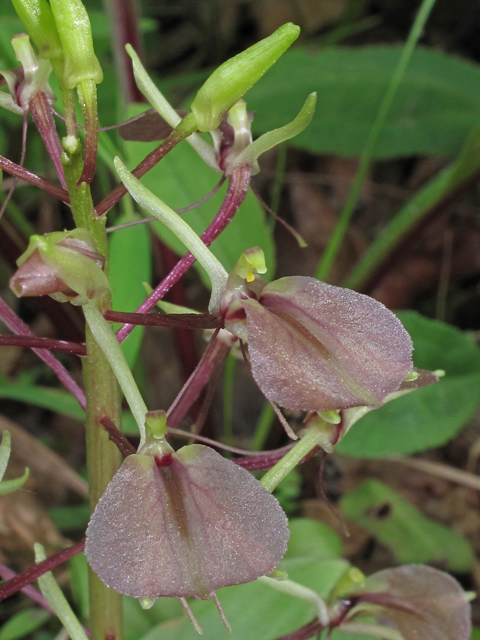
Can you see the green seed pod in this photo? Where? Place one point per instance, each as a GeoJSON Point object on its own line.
{"type": "Point", "coordinates": [234, 78]}
{"type": "Point", "coordinates": [75, 31]}
{"type": "Point", "coordinates": [38, 20]}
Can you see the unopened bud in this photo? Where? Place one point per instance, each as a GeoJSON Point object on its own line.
{"type": "Point", "coordinates": [64, 265]}
{"type": "Point", "coordinates": [236, 76]}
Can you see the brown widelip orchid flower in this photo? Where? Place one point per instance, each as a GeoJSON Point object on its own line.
{"type": "Point", "coordinates": [417, 601]}
{"type": "Point", "coordinates": [183, 523]}
{"type": "Point", "coordinates": [316, 347]}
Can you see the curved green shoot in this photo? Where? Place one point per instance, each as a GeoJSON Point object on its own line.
{"type": "Point", "coordinates": [108, 343]}
{"type": "Point", "coordinates": [55, 598]}
{"type": "Point", "coordinates": [156, 207]}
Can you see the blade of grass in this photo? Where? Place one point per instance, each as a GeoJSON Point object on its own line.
{"type": "Point", "coordinates": [437, 194]}
{"type": "Point", "coordinates": [336, 238]}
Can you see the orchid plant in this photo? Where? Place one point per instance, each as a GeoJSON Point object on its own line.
{"type": "Point", "coordinates": [184, 523]}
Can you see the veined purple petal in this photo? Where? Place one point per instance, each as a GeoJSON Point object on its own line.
{"type": "Point", "coordinates": [422, 603]}
{"type": "Point", "coordinates": [317, 347]}
{"type": "Point", "coordinates": [185, 529]}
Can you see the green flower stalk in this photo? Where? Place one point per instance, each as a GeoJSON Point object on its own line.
{"type": "Point", "coordinates": [156, 207]}
{"type": "Point", "coordinates": [82, 71]}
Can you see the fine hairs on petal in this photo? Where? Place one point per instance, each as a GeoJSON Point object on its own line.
{"type": "Point", "coordinates": [317, 347]}
{"type": "Point", "coordinates": [185, 529]}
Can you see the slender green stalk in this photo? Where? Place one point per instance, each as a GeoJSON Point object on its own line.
{"type": "Point", "coordinates": [336, 239]}
{"type": "Point", "coordinates": [102, 333]}
{"type": "Point", "coordinates": [312, 438]}
{"type": "Point", "coordinates": [103, 399]}
{"type": "Point", "coordinates": [55, 598]}
{"type": "Point", "coordinates": [264, 425]}
{"type": "Point", "coordinates": [303, 593]}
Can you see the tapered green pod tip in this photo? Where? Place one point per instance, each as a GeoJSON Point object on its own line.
{"type": "Point", "coordinates": [39, 22]}
{"type": "Point", "coordinates": [234, 78]}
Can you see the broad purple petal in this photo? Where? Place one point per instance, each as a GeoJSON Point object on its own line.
{"type": "Point", "coordinates": [427, 603]}
{"type": "Point", "coordinates": [317, 347]}
{"type": "Point", "coordinates": [185, 529]}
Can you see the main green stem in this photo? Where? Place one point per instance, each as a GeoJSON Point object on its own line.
{"type": "Point", "coordinates": [103, 399]}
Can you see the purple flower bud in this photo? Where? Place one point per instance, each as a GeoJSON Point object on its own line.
{"type": "Point", "coordinates": [184, 524]}
{"type": "Point", "coordinates": [316, 347]}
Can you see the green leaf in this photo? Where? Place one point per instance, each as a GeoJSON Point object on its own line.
{"type": "Point", "coordinates": [255, 611]}
{"type": "Point", "coordinates": [181, 179]}
{"type": "Point", "coordinates": [130, 267]}
{"type": "Point", "coordinates": [475, 633]}
{"type": "Point", "coordinates": [140, 621]}
{"type": "Point", "coordinates": [53, 399]}
{"type": "Point", "coordinates": [9, 486]}
{"type": "Point", "coordinates": [430, 416]}
{"type": "Point", "coordinates": [5, 450]}
{"type": "Point", "coordinates": [413, 538]}
{"type": "Point", "coordinates": [23, 623]}
{"type": "Point", "coordinates": [417, 208]}
{"type": "Point", "coordinates": [55, 598]}
{"type": "Point", "coordinates": [436, 106]}
{"type": "Point", "coordinates": [312, 539]}
{"type": "Point", "coordinates": [79, 581]}
{"type": "Point", "coordinates": [71, 518]}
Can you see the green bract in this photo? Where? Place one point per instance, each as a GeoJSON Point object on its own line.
{"type": "Point", "coordinates": [234, 78]}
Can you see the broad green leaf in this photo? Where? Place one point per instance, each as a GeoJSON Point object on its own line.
{"type": "Point", "coordinates": [130, 267]}
{"type": "Point", "coordinates": [429, 416]}
{"type": "Point", "coordinates": [475, 633]}
{"type": "Point", "coordinates": [255, 611]}
{"type": "Point", "coordinates": [413, 538]}
{"type": "Point", "coordinates": [53, 399]}
{"type": "Point", "coordinates": [436, 105]}
{"type": "Point", "coordinates": [312, 539]}
{"type": "Point", "coordinates": [181, 179]}
{"type": "Point", "coordinates": [23, 623]}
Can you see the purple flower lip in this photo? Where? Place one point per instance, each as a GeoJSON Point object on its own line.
{"type": "Point", "coordinates": [316, 347]}
{"type": "Point", "coordinates": [185, 529]}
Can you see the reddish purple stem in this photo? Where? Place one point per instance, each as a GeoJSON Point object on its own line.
{"type": "Point", "coordinates": [32, 178]}
{"type": "Point", "coordinates": [25, 578]}
{"type": "Point", "coordinates": [31, 592]}
{"type": "Point", "coordinates": [43, 343]}
{"type": "Point", "coordinates": [172, 320]}
{"type": "Point", "coordinates": [13, 322]}
{"type": "Point", "coordinates": [237, 190]}
{"type": "Point", "coordinates": [212, 356]}
{"type": "Point", "coordinates": [308, 631]}
{"type": "Point", "coordinates": [41, 111]}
